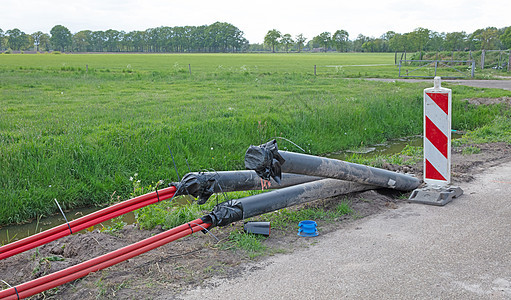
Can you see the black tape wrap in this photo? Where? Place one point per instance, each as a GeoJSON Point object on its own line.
{"type": "Point", "coordinates": [200, 186]}
{"type": "Point", "coordinates": [265, 160]}
{"type": "Point", "coordinates": [225, 213]}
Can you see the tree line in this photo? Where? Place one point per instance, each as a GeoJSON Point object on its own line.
{"type": "Point", "coordinates": [420, 39]}
{"type": "Point", "coordinates": [217, 37]}
{"type": "Point", "coordinates": [225, 37]}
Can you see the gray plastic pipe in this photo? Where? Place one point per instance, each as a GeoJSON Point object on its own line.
{"type": "Point", "coordinates": [239, 209]}
{"type": "Point", "coordinates": [267, 161]}
{"type": "Point", "coordinates": [333, 168]}
{"type": "Point", "coordinates": [202, 185]}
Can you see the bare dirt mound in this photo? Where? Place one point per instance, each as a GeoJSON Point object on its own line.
{"type": "Point", "coordinates": [192, 261]}
{"type": "Point", "coordinates": [489, 101]}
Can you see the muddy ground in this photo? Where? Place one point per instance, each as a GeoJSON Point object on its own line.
{"type": "Point", "coordinates": [195, 260]}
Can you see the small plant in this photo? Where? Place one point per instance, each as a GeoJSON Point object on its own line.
{"type": "Point", "coordinates": [116, 225]}
{"type": "Point", "coordinates": [471, 150]}
{"type": "Point", "coordinates": [344, 208]}
{"type": "Point", "coordinates": [248, 242]}
{"type": "Point", "coordinates": [138, 189]}
{"type": "Point", "coordinates": [52, 258]}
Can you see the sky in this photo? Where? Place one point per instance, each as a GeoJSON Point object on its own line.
{"type": "Point", "coordinates": [368, 17]}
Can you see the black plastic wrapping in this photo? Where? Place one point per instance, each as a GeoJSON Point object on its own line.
{"type": "Point", "coordinates": [199, 185]}
{"type": "Point", "coordinates": [265, 160]}
{"type": "Point", "coordinates": [330, 168]}
{"type": "Point", "coordinates": [225, 213]}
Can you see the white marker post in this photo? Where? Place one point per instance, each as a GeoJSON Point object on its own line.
{"type": "Point", "coordinates": [437, 148]}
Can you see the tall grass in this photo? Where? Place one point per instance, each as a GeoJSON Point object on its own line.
{"type": "Point", "coordinates": [78, 136]}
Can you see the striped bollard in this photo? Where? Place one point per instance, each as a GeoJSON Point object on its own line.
{"type": "Point", "coordinates": [437, 148]}
{"type": "Point", "coordinates": [437, 134]}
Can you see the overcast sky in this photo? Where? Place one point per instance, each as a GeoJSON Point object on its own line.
{"type": "Point", "coordinates": [255, 18]}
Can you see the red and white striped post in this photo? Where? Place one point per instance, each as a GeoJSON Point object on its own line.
{"type": "Point", "coordinates": [437, 134]}
{"type": "Point", "coordinates": [437, 149]}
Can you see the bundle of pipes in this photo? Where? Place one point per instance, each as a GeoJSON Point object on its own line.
{"type": "Point", "coordinates": [85, 222]}
{"type": "Point", "coordinates": [202, 185]}
{"type": "Point", "coordinates": [269, 163]}
{"type": "Point", "coordinates": [77, 271]}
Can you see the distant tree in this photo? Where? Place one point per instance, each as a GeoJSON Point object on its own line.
{"type": "Point", "coordinates": [286, 41]}
{"type": "Point", "coordinates": [455, 41]}
{"type": "Point", "coordinates": [44, 42]}
{"type": "Point", "coordinates": [488, 37]}
{"type": "Point", "coordinates": [419, 38]}
{"type": "Point", "coordinates": [61, 37]}
{"type": "Point", "coordinates": [505, 38]}
{"type": "Point", "coordinates": [2, 37]}
{"type": "Point", "coordinates": [385, 41]}
{"type": "Point", "coordinates": [113, 40]}
{"type": "Point", "coordinates": [271, 39]}
{"type": "Point", "coordinates": [341, 39]}
{"type": "Point", "coordinates": [37, 39]}
{"type": "Point", "coordinates": [17, 39]}
{"type": "Point", "coordinates": [371, 45]}
{"type": "Point", "coordinates": [300, 41]}
{"type": "Point", "coordinates": [387, 36]}
{"type": "Point", "coordinates": [397, 42]}
{"type": "Point", "coordinates": [98, 41]}
{"type": "Point", "coordinates": [82, 41]}
{"type": "Point", "coordinates": [324, 39]}
{"type": "Point", "coordinates": [359, 42]}
{"type": "Point", "coordinates": [436, 41]}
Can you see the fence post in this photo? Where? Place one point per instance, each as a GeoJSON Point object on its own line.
{"type": "Point", "coordinates": [509, 62]}
{"type": "Point", "coordinates": [314, 70]}
{"type": "Point", "coordinates": [482, 59]}
{"type": "Point", "coordinates": [436, 66]}
{"type": "Point", "coordinates": [190, 69]}
{"type": "Point", "coordinates": [473, 68]}
{"type": "Point", "coordinates": [87, 68]}
{"type": "Point", "coordinates": [400, 67]}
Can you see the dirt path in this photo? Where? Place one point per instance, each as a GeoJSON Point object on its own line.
{"type": "Point", "coordinates": [496, 84]}
{"type": "Point", "coordinates": [198, 260]}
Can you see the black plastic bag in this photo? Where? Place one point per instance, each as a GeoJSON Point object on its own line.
{"type": "Point", "coordinates": [265, 160]}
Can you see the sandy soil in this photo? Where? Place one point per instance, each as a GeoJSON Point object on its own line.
{"type": "Point", "coordinates": [195, 260]}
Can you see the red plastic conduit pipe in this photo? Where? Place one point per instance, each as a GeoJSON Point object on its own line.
{"type": "Point", "coordinates": [85, 222]}
{"type": "Point", "coordinates": [72, 273]}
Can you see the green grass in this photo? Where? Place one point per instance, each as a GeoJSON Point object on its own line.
{"type": "Point", "coordinates": [499, 130]}
{"type": "Point", "coordinates": [78, 136]}
{"type": "Point", "coordinates": [248, 242]}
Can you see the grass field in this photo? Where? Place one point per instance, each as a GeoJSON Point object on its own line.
{"type": "Point", "coordinates": [78, 135]}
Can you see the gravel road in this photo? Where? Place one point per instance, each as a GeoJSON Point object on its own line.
{"type": "Point", "coordinates": [459, 251]}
